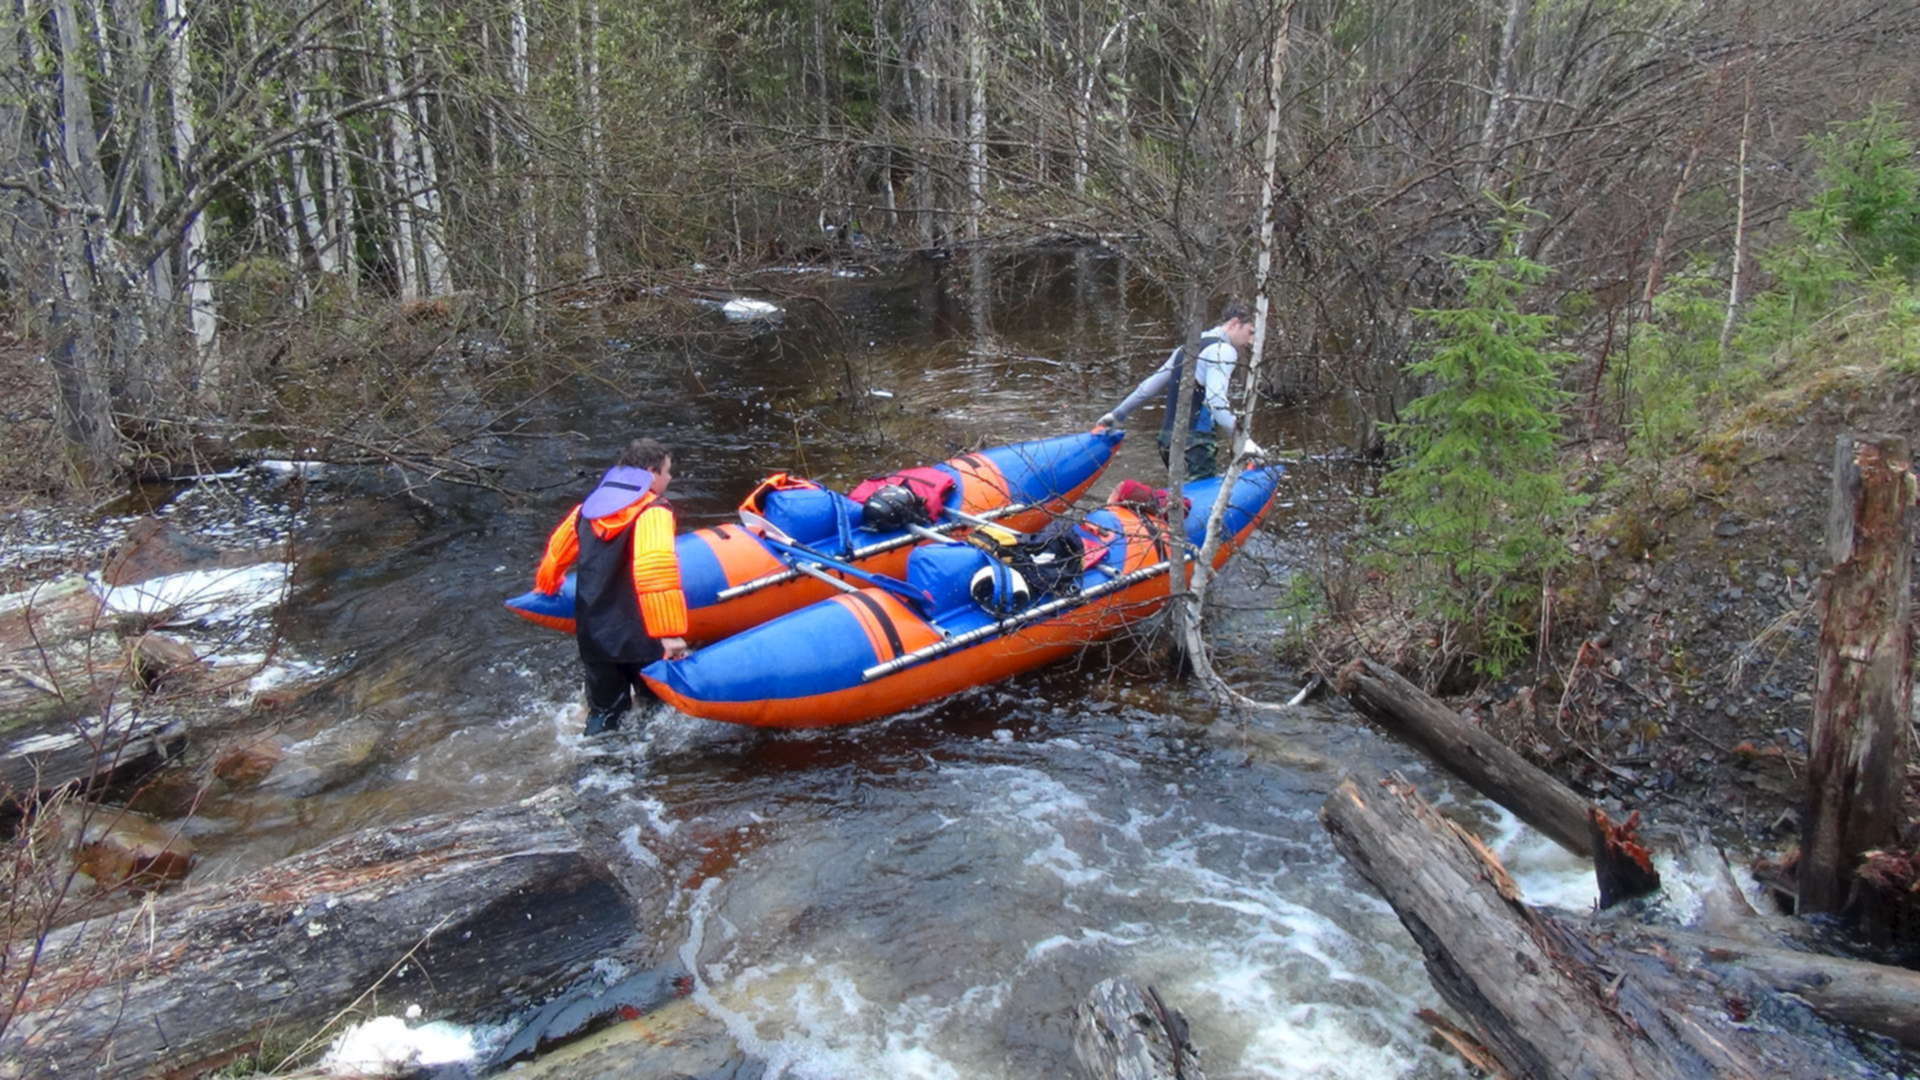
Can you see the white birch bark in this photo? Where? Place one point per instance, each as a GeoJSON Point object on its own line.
{"type": "Point", "coordinates": [195, 270]}
{"type": "Point", "coordinates": [1739, 223]}
{"type": "Point", "coordinates": [976, 117]}
{"type": "Point", "coordinates": [401, 173]}
{"type": "Point", "coordinates": [300, 161]}
{"type": "Point", "coordinates": [1502, 91]}
{"type": "Point", "coordinates": [151, 174]}
{"type": "Point", "coordinates": [1189, 613]}
{"type": "Point", "coordinates": [337, 187]}
{"type": "Point", "coordinates": [529, 238]}
{"type": "Point", "coordinates": [429, 214]}
{"type": "Point", "coordinates": [823, 121]}
{"type": "Point", "coordinates": [272, 196]}
{"type": "Point", "coordinates": [587, 70]}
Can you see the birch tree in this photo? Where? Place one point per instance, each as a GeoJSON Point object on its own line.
{"type": "Point", "coordinates": [591, 138]}
{"type": "Point", "coordinates": [203, 369]}
{"type": "Point", "coordinates": [518, 75]}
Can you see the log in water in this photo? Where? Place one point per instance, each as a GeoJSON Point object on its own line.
{"type": "Point", "coordinates": [454, 913]}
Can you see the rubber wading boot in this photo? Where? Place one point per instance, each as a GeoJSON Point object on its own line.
{"type": "Point", "coordinates": [601, 722]}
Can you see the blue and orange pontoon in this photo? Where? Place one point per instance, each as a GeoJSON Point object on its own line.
{"type": "Point", "coordinates": [874, 651]}
{"type": "Point", "coordinates": [735, 579]}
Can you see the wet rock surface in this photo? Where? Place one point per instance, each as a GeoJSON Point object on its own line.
{"type": "Point", "coordinates": [119, 849]}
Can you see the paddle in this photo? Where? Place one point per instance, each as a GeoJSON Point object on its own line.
{"type": "Point", "coordinates": [776, 538]}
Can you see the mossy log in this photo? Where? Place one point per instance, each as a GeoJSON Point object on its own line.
{"type": "Point", "coordinates": [456, 913]}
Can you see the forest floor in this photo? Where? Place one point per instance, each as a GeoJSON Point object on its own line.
{"type": "Point", "coordinates": [1679, 676]}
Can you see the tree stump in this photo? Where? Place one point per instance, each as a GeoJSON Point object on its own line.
{"type": "Point", "coordinates": [1863, 691]}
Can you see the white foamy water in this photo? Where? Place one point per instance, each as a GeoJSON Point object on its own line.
{"type": "Point", "coordinates": [388, 1046]}
{"type": "Point", "coordinates": [952, 937]}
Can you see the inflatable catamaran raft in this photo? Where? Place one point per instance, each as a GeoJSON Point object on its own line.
{"type": "Point", "coordinates": [958, 619]}
{"type": "Point", "coordinates": [735, 578]}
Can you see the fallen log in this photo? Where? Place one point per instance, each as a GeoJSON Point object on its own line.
{"type": "Point", "coordinates": [1543, 994]}
{"type": "Point", "coordinates": [1471, 754]}
{"type": "Point", "coordinates": [119, 744]}
{"type": "Point", "coordinates": [1872, 997]}
{"type": "Point", "coordinates": [67, 707]}
{"type": "Point", "coordinates": [454, 913]}
{"type": "Point", "coordinates": [59, 655]}
{"type": "Point", "coordinates": [1125, 1032]}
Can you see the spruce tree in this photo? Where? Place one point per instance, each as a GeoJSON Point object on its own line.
{"type": "Point", "coordinates": [1475, 496]}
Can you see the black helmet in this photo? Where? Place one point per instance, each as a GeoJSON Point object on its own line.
{"type": "Point", "coordinates": [892, 507]}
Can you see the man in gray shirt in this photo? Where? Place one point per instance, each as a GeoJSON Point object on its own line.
{"type": "Point", "coordinates": [1212, 409]}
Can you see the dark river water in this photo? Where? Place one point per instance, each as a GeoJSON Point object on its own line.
{"type": "Point", "coordinates": [923, 896]}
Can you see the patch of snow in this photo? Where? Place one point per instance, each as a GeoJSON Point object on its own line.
{"type": "Point", "coordinates": [308, 469]}
{"type": "Point", "coordinates": [744, 309]}
{"type": "Point", "coordinates": [203, 596]}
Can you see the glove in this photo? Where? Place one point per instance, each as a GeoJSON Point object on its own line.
{"type": "Point", "coordinates": [1255, 449]}
{"type": "Point", "coordinates": [1106, 421]}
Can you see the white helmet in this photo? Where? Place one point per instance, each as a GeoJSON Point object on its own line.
{"type": "Point", "coordinates": [1013, 595]}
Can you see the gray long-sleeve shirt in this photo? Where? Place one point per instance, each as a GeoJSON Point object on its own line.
{"type": "Point", "coordinates": [1214, 372]}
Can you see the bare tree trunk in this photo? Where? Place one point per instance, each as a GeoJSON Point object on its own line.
{"type": "Point", "coordinates": [1863, 697]}
{"type": "Point", "coordinates": [1739, 221]}
{"type": "Point", "coordinates": [337, 183]}
{"type": "Point", "coordinates": [312, 223]}
{"type": "Point", "coordinates": [920, 34]}
{"type": "Point", "coordinates": [1190, 616]}
{"type": "Point", "coordinates": [195, 269]}
{"type": "Point", "coordinates": [529, 238]}
{"type": "Point", "coordinates": [429, 214]}
{"type": "Point", "coordinates": [139, 56]}
{"type": "Point", "coordinates": [823, 117]}
{"type": "Point", "coordinates": [595, 140]}
{"type": "Point", "coordinates": [402, 173]}
{"type": "Point", "coordinates": [80, 368]}
{"type": "Point", "coordinates": [1502, 90]}
{"type": "Point", "coordinates": [1662, 242]}
{"type": "Point", "coordinates": [274, 212]}
{"type": "Point", "coordinates": [976, 117]}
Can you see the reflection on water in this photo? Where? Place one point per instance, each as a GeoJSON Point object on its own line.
{"type": "Point", "coordinates": [925, 896]}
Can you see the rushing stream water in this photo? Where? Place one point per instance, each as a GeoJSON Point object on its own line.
{"type": "Point", "coordinates": [924, 896]}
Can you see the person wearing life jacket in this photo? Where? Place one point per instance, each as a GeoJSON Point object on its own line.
{"type": "Point", "coordinates": [1211, 410]}
{"type": "Point", "coordinates": [629, 609]}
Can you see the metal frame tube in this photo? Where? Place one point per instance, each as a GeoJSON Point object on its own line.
{"type": "Point", "coordinates": [781, 576]}
{"type": "Point", "coordinates": [961, 641]}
